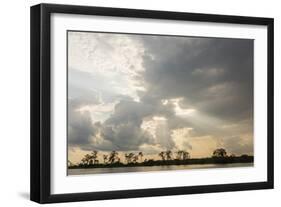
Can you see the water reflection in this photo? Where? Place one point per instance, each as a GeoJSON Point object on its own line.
{"type": "Point", "coordinates": [152, 168]}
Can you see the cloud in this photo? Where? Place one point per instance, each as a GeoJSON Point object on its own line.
{"type": "Point", "coordinates": [121, 131]}
{"type": "Point", "coordinates": [80, 128]}
{"type": "Point", "coordinates": [124, 127]}
{"type": "Point", "coordinates": [213, 75]}
{"type": "Point", "coordinates": [130, 92]}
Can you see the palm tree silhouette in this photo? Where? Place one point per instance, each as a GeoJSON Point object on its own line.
{"type": "Point", "coordinates": [168, 154]}
{"type": "Point", "coordinates": [162, 155]}
{"type": "Point", "coordinates": [129, 157]}
{"type": "Point", "coordinates": [87, 159]}
{"type": "Point", "coordinates": [141, 155]}
{"type": "Point", "coordinates": [113, 156]}
{"type": "Point", "coordinates": [105, 158]}
{"type": "Point", "coordinates": [94, 156]}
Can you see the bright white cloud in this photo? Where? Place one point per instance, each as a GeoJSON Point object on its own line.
{"type": "Point", "coordinates": [116, 59]}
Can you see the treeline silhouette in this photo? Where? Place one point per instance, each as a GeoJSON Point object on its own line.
{"type": "Point", "coordinates": [180, 157]}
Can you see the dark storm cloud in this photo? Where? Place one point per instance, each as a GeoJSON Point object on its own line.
{"type": "Point", "coordinates": [123, 127]}
{"type": "Point", "coordinates": [212, 75]}
{"type": "Point", "coordinates": [82, 131]}
{"type": "Point", "coordinates": [80, 128]}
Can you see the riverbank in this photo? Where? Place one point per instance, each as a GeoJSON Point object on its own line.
{"type": "Point", "coordinates": [191, 161]}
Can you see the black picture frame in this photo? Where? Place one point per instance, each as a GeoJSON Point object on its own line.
{"type": "Point", "coordinates": [41, 102]}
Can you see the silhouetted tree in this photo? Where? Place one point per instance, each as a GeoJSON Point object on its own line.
{"type": "Point", "coordinates": [105, 159]}
{"type": "Point", "coordinates": [185, 155]}
{"type": "Point", "coordinates": [94, 156]}
{"type": "Point", "coordinates": [220, 153]}
{"type": "Point", "coordinates": [129, 157]}
{"type": "Point", "coordinates": [141, 155]}
{"type": "Point", "coordinates": [168, 154]}
{"type": "Point", "coordinates": [126, 157]}
{"type": "Point", "coordinates": [113, 156]}
{"type": "Point", "coordinates": [182, 155]}
{"type": "Point", "coordinates": [135, 158]}
{"type": "Point", "coordinates": [87, 159]}
{"type": "Point", "coordinates": [162, 155]}
{"type": "Point", "coordinates": [179, 154]}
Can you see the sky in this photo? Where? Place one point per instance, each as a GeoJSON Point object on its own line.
{"type": "Point", "coordinates": [154, 93]}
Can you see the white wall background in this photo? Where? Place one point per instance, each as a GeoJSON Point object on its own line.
{"type": "Point", "coordinates": [14, 104]}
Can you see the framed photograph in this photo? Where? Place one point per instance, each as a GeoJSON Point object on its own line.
{"type": "Point", "coordinates": [133, 103]}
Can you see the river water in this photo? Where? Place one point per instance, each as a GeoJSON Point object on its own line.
{"type": "Point", "coordinates": [84, 171]}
